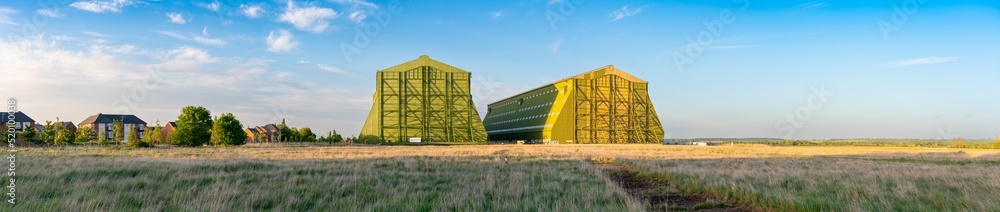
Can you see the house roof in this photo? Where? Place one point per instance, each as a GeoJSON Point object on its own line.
{"type": "Point", "coordinates": [252, 130]}
{"type": "Point", "coordinates": [272, 127]}
{"type": "Point", "coordinates": [18, 116]}
{"type": "Point", "coordinates": [65, 124]}
{"type": "Point", "coordinates": [108, 118]}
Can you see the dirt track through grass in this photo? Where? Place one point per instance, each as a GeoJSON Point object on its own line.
{"type": "Point", "coordinates": [657, 193]}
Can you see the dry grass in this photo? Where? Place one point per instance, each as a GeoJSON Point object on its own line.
{"type": "Point", "coordinates": [536, 177]}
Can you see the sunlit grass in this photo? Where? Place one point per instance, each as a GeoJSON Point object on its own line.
{"type": "Point", "coordinates": [295, 177]}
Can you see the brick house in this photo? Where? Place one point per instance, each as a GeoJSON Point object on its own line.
{"type": "Point", "coordinates": [103, 123]}
{"type": "Point", "coordinates": [20, 121]}
{"type": "Point", "coordinates": [168, 129]}
{"type": "Point", "coordinates": [66, 124]}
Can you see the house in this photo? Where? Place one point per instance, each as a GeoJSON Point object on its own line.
{"type": "Point", "coordinates": [273, 132]}
{"type": "Point", "coordinates": [20, 121]}
{"type": "Point", "coordinates": [66, 124]}
{"type": "Point", "coordinates": [39, 127]}
{"type": "Point", "coordinates": [252, 135]}
{"type": "Point", "coordinates": [266, 133]}
{"type": "Point", "coordinates": [167, 130]}
{"type": "Point", "coordinates": [103, 123]}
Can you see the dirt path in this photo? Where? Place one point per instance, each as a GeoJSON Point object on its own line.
{"type": "Point", "coordinates": [658, 194]}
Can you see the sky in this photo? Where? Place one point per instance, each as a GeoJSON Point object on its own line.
{"type": "Point", "coordinates": [742, 68]}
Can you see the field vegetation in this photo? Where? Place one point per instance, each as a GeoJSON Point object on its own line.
{"type": "Point", "coordinates": [318, 176]}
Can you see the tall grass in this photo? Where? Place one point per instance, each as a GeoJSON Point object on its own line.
{"type": "Point", "coordinates": [308, 179]}
{"type": "Point", "coordinates": [313, 177]}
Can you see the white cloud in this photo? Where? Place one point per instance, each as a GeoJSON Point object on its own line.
{"type": "Point", "coordinates": [624, 13]}
{"type": "Point", "coordinates": [196, 38]}
{"type": "Point", "coordinates": [310, 18]}
{"type": "Point", "coordinates": [185, 59]}
{"type": "Point", "coordinates": [252, 11]}
{"type": "Point", "coordinates": [551, 2]}
{"type": "Point", "coordinates": [281, 41]}
{"type": "Point", "coordinates": [95, 34]}
{"type": "Point", "coordinates": [358, 10]}
{"type": "Point", "coordinates": [812, 5]}
{"type": "Point", "coordinates": [5, 13]}
{"type": "Point", "coordinates": [50, 13]}
{"type": "Point", "coordinates": [922, 61]}
{"type": "Point", "coordinates": [102, 6]}
{"type": "Point", "coordinates": [49, 76]}
{"type": "Point", "coordinates": [496, 15]}
{"type": "Point", "coordinates": [214, 6]}
{"type": "Point", "coordinates": [334, 70]}
{"type": "Point", "coordinates": [176, 18]}
{"type": "Point", "coordinates": [554, 47]}
{"type": "Point", "coordinates": [357, 3]}
{"type": "Point", "coordinates": [357, 16]}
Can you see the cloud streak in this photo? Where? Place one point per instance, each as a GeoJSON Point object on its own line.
{"type": "Point", "coordinates": [625, 12]}
{"type": "Point", "coordinates": [98, 6]}
{"type": "Point", "coordinates": [196, 38]}
{"type": "Point", "coordinates": [922, 61]}
{"type": "Point", "coordinates": [311, 18]}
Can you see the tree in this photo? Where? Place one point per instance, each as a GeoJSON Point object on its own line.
{"type": "Point", "coordinates": [287, 134]}
{"type": "Point", "coordinates": [194, 127]}
{"type": "Point", "coordinates": [336, 137]}
{"type": "Point", "coordinates": [117, 131]}
{"type": "Point", "coordinates": [959, 143]}
{"type": "Point", "coordinates": [63, 136]}
{"type": "Point", "coordinates": [306, 134]}
{"type": "Point", "coordinates": [155, 136]}
{"type": "Point", "coordinates": [102, 137]}
{"type": "Point", "coordinates": [227, 130]}
{"type": "Point", "coordinates": [84, 134]}
{"type": "Point", "coordinates": [48, 134]}
{"type": "Point", "coordinates": [6, 135]}
{"type": "Point", "coordinates": [29, 135]}
{"type": "Point", "coordinates": [996, 142]}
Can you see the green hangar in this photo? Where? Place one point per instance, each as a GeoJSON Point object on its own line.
{"type": "Point", "coordinates": [605, 105]}
{"type": "Point", "coordinates": [423, 100]}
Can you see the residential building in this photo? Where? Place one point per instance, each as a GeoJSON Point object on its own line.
{"type": "Point", "coordinates": [103, 124]}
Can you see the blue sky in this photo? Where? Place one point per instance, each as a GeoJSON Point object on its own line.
{"type": "Point", "coordinates": [795, 69]}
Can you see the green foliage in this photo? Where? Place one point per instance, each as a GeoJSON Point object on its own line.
{"type": "Point", "coordinates": [85, 134]}
{"type": "Point", "coordinates": [135, 141]}
{"type": "Point", "coordinates": [48, 134]}
{"type": "Point", "coordinates": [996, 142]}
{"type": "Point", "coordinates": [30, 135]}
{"type": "Point", "coordinates": [369, 139]}
{"type": "Point", "coordinates": [287, 134]}
{"type": "Point", "coordinates": [63, 136]}
{"type": "Point", "coordinates": [306, 134]}
{"type": "Point", "coordinates": [155, 136]}
{"type": "Point", "coordinates": [117, 131]}
{"type": "Point", "coordinates": [102, 137]}
{"type": "Point", "coordinates": [227, 130]}
{"type": "Point", "coordinates": [194, 127]}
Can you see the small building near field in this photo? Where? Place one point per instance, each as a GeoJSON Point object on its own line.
{"type": "Point", "coordinates": [103, 123]}
{"type": "Point", "coordinates": [20, 121]}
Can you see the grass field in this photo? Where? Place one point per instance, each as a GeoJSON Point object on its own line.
{"type": "Point", "coordinates": [296, 177]}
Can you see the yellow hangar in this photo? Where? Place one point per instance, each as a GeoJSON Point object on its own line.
{"type": "Point", "coordinates": [605, 105]}
{"type": "Point", "coordinates": [423, 100]}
